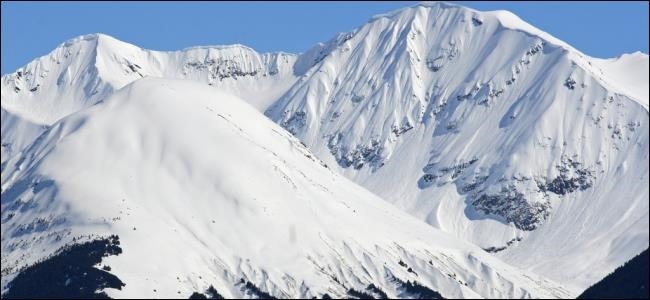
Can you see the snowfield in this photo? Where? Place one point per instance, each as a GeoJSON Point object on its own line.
{"type": "Point", "coordinates": [482, 154]}
{"type": "Point", "coordinates": [203, 190]}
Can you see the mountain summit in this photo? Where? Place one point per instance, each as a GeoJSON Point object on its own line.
{"type": "Point", "coordinates": [487, 128]}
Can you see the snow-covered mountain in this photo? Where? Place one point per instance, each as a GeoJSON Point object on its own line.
{"type": "Point", "coordinates": [476, 123]}
{"type": "Point", "coordinates": [175, 169]}
{"type": "Point", "coordinates": [82, 71]}
{"type": "Point", "coordinates": [488, 128]}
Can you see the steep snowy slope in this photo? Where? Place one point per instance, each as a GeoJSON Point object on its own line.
{"type": "Point", "coordinates": [203, 190]}
{"type": "Point", "coordinates": [487, 128]}
{"type": "Point", "coordinates": [89, 68]}
{"type": "Point", "coordinates": [629, 73]}
{"type": "Point", "coordinates": [16, 133]}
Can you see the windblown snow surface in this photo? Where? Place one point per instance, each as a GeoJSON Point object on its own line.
{"type": "Point", "coordinates": [520, 161]}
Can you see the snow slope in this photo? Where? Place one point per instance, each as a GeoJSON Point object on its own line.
{"type": "Point", "coordinates": [203, 190]}
{"type": "Point", "coordinates": [487, 128]}
{"type": "Point", "coordinates": [628, 72]}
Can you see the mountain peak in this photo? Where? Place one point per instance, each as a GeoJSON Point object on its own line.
{"type": "Point", "coordinates": [85, 69]}
{"type": "Point", "coordinates": [81, 38]}
{"type": "Point", "coordinates": [504, 18]}
{"type": "Point", "coordinates": [476, 123]}
{"type": "Point", "coordinates": [96, 38]}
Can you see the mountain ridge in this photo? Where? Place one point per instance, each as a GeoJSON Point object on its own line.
{"type": "Point", "coordinates": [440, 111]}
{"type": "Point", "coordinates": [470, 121]}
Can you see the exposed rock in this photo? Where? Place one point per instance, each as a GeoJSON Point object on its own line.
{"type": "Point", "coordinates": [498, 249]}
{"type": "Point", "coordinates": [511, 205]}
{"type": "Point", "coordinates": [573, 176]}
{"type": "Point", "coordinates": [358, 156]}
{"type": "Point", "coordinates": [474, 184]}
{"type": "Point", "coordinates": [294, 122]}
{"type": "Point", "coordinates": [406, 126]}
{"type": "Point", "coordinates": [221, 68]}
{"type": "Point", "coordinates": [432, 173]}
{"type": "Point", "coordinates": [435, 64]}
{"type": "Point", "coordinates": [570, 83]}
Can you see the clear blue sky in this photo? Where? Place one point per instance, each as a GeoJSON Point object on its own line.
{"type": "Point", "coordinates": [32, 29]}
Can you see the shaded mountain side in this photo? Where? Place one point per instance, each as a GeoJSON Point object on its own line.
{"type": "Point", "coordinates": [629, 281]}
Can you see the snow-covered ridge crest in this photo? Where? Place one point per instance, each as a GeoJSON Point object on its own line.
{"type": "Point", "coordinates": [505, 18]}
{"type": "Point", "coordinates": [85, 37]}
{"type": "Point", "coordinates": [509, 20]}
{"type": "Point", "coordinates": [73, 64]}
{"type": "Point", "coordinates": [86, 69]}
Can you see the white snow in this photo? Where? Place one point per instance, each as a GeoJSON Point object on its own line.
{"type": "Point", "coordinates": [495, 92]}
{"type": "Point", "coordinates": [482, 102]}
{"type": "Point", "coordinates": [86, 69]}
{"type": "Point", "coordinates": [201, 187]}
{"type": "Point", "coordinates": [628, 73]}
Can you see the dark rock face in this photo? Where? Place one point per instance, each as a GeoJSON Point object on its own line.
{"type": "Point", "coordinates": [478, 181]}
{"type": "Point", "coordinates": [358, 156]}
{"type": "Point", "coordinates": [294, 122]}
{"type": "Point", "coordinates": [494, 249]}
{"type": "Point", "coordinates": [432, 173]}
{"type": "Point", "coordinates": [509, 203]}
{"type": "Point", "coordinates": [70, 273]}
{"type": "Point", "coordinates": [562, 185]}
{"type": "Point", "coordinates": [629, 281]}
{"type": "Point", "coordinates": [570, 83]}
{"type": "Point", "coordinates": [573, 176]}
{"type": "Point", "coordinates": [428, 178]}
{"type": "Point", "coordinates": [498, 249]}
{"type": "Point", "coordinates": [222, 68]}
{"type": "Point", "coordinates": [458, 168]}
{"type": "Point", "coordinates": [512, 205]}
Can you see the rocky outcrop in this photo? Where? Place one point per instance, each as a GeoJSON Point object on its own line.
{"type": "Point", "coordinates": [511, 205]}
{"type": "Point", "coordinates": [358, 156]}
